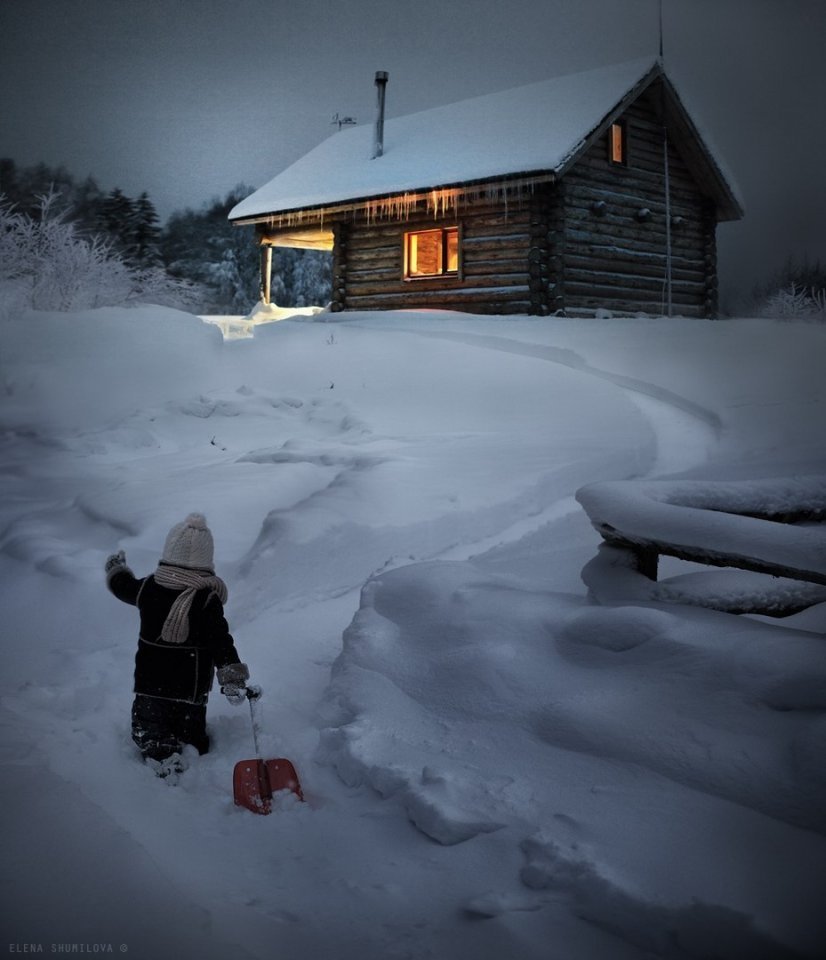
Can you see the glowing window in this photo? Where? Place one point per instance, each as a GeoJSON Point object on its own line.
{"type": "Point", "coordinates": [617, 147]}
{"type": "Point", "coordinates": [431, 253]}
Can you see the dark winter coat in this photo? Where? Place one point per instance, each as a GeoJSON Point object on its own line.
{"type": "Point", "coordinates": [179, 671]}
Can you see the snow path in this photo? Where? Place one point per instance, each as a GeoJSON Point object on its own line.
{"type": "Point", "coordinates": [569, 358]}
{"type": "Point", "coordinates": [685, 431]}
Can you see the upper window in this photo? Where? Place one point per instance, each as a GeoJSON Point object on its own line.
{"type": "Point", "coordinates": [431, 253]}
{"type": "Point", "coordinates": [617, 143]}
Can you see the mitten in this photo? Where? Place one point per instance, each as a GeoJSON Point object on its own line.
{"type": "Point", "coordinates": [116, 563]}
{"type": "Point", "coordinates": [233, 680]}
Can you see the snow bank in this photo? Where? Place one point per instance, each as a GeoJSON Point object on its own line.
{"type": "Point", "coordinates": [62, 370]}
{"type": "Point", "coordinates": [479, 706]}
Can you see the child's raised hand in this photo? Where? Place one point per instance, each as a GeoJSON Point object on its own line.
{"type": "Point", "coordinates": [117, 561]}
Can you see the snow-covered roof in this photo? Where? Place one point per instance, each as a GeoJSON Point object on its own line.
{"type": "Point", "coordinates": [527, 130]}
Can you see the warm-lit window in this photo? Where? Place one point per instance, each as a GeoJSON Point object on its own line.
{"type": "Point", "coordinates": [617, 146]}
{"type": "Point", "coordinates": [430, 253]}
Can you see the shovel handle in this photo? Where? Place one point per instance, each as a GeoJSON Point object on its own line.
{"type": "Point", "coordinates": [254, 695]}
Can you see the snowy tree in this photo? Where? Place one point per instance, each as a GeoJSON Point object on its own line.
{"type": "Point", "coordinates": [305, 277]}
{"type": "Point", "coordinates": [144, 234]}
{"type": "Point", "coordinates": [794, 303]}
{"type": "Point", "coordinates": [796, 291]}
{"type": "Point", "coordinates": [47, 264]}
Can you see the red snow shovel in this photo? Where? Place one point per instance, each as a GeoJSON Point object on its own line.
{"type": "Point", "coordinates": [255, 781]}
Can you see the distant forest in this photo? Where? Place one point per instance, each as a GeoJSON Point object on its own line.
{"type": "Point", "coordinates": [218, 261]}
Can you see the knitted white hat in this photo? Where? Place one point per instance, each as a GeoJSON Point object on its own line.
{"type": "Point", "coordinates": [189, 544]}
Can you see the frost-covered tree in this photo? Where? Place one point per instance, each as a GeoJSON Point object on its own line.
{"type": "Point", "coordinates": [46, 263]}
{"type": "Point", "coordinates": [306, 277]}
{"type": "Point", "coordinates": [794, 303]}
{"type": "Point", "coordinates": [796, 291]}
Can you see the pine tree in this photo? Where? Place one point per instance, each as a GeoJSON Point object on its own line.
{"type": "Point", "coordinates": [116, 220]}
{"type": "Point", "coordinates": [144, 233]}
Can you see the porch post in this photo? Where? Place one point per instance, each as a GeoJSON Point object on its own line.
{"type": "Point", "coordinates": [266, 272]}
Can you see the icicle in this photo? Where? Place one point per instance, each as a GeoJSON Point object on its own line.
{"type": "Point", "coordinates": [439, 201]}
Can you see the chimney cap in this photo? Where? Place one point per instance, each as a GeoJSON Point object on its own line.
{"type": "Point", "coordinates": [381, 76]}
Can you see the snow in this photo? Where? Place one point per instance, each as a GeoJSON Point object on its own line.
{"type": "Point", "coordinates": [237, 328]}
{"type": "Point", "coordinates": [508, 132]}
{"type": "Point", "coordinates": [706, 517]}
{"type": "Point", "coordinates": [495, 764]}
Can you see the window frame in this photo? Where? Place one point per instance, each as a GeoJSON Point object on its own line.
{"type": "Point", "coordinates": [618, 127]}
{"type": "Point", "coordinates": [443, 272]}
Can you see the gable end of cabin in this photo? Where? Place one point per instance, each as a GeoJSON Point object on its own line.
{"type": "Point", "coordinates": [639, 230]}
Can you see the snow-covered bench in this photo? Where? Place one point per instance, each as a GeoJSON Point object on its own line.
{"type": "Point", "coordinates": [772, 527]}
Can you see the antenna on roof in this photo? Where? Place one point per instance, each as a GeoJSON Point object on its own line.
{"type": "Point", "coordinates": [661, 32]}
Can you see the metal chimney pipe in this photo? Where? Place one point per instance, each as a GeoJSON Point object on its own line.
{"type": "Point", "coordinates": [378, 140]}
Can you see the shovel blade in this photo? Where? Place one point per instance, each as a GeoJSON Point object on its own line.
{"type": "Point", "coordinates": [282, 776]}
{"type": "Point", "coordinates": [255, 781]}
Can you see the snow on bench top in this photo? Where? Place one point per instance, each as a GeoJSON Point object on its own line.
{"type": "Point", "coordinates": [707, 516]}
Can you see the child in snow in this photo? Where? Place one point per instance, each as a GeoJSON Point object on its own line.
{"type": "Point", "coordinates": [183, 639]}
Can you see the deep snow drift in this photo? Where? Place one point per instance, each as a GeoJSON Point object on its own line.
{"type": "Point", "coordinates": [495, 766]}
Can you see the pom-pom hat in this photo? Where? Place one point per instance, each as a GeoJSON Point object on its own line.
{"type": "Point", "coordinates": [189, 544]}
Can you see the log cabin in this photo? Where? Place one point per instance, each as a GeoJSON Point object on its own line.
{"type": "Point", "coordinates": [584, 193]}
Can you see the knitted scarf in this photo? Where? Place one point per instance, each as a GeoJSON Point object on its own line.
{"type": "Point", "coordinates": [189, 582]}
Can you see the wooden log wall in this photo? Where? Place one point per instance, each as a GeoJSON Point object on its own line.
{"type": "Point", "coordinates": [615, 227]}
{"type": "Point", "coordinates": [494, 277]}
{"type": "Point", "coordinates": [556, 248]}
{"type": "Point", "coordinates": [338, 299]}
{"type": "Point", "coordinates": [597, 239]}
{"type": "Point", "coordinates": [710, 255]}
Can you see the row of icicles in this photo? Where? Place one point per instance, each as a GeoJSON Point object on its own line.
{"type": "Point", "coordinates": [437, 202]}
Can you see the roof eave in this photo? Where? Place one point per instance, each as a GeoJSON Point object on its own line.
{"type": "Point", "coordinates": [510, 180]}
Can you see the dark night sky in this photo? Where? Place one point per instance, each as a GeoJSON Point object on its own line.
{"type": "Point", "coordinates": [187, 98]}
